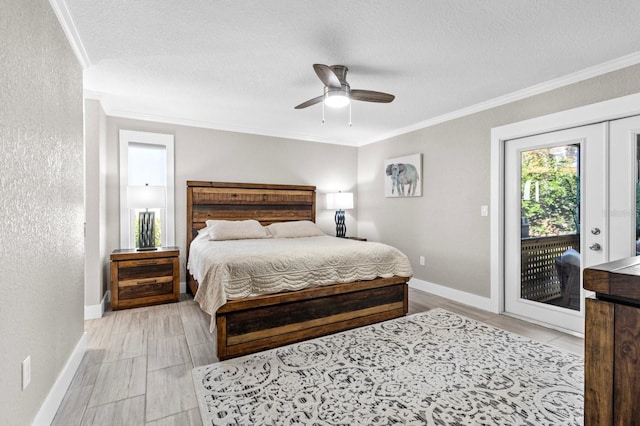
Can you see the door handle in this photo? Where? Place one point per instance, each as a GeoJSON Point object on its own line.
{"type": "Point", "coordinates": [595, 247]}
{"type": "Point", "coordinates": [595, 231]}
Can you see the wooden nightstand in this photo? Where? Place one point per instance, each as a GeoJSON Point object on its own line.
{"type": "Point", "coordinates": [142, 278]}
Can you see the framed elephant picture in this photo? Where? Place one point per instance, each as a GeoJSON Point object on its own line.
{"type": "Point", "coordinates": [403, 176]}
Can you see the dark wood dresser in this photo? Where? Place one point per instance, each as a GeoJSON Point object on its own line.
{"type": "Point", "coordinates": [612, 344]}
{"type": "Point", "coordinates": [142, 278]}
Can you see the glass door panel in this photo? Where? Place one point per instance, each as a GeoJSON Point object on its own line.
{"type": "Point", "coordinates": [550, 226]}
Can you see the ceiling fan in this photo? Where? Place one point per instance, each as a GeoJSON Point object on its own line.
{"type": "Point", "coordinates": [338, 93]}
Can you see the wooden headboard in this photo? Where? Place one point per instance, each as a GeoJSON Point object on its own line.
{"type": "Point", "coordinates": [238, 201]}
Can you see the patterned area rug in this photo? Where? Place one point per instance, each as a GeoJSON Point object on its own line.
{"type": "Point", "coordinates": [434, 368]}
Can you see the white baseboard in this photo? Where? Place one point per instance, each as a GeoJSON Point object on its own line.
{"type": "Point", "coordinates": [96, 311]}
{"type": "Point", "coordinates": [451, 293]}
{"type": "Point", "coordinates": [52, 402]}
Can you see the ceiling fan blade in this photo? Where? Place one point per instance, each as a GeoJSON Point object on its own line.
{"type": "Point", "coordinates": [327, 76]}
{"type": "Point", "coordinates": [371, 96]}
{"type": "Point", "coordinates": [310, 102]}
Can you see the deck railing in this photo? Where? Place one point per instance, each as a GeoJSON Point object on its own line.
{"type": "Point", "coordinates": [539, 278]}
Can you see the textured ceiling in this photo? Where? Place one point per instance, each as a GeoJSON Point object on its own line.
{"type": "Point", "coordinates": [243, 65]}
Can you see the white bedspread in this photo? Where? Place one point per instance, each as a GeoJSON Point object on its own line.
{"type": "Point", "coordinates": [235, 269]}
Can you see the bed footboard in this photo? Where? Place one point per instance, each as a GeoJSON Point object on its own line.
{"type": "Point", "coordinates": [265, 322]}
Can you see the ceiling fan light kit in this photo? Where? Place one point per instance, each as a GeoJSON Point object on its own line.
{"type": "Point", "coordinates": [338, 93]}
{"type": "Point", "coordinates": [336, 98]}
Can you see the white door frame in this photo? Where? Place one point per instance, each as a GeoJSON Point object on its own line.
{"type": "Point", "coordinates": [602, 111]}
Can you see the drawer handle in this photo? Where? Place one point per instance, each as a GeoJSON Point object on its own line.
{"type": "Point", "coordinates": [147, 262]}
{"type": "Point", "coordinates": [147, 282]}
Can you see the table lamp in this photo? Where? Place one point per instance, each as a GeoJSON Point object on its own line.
{"type": "Point", "coordinates": [340, 201]}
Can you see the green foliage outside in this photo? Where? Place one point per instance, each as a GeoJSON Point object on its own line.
{"type": "Point", "coordinates": [557, 210]}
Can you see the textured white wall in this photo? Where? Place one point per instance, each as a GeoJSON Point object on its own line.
{"type": "Point", "coordinates": [445, 225]}
{"type": "Point", "coordinates": [41, 210]}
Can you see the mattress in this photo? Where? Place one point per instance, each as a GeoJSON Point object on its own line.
{"type": "Point", "coordinates": [235, 269]}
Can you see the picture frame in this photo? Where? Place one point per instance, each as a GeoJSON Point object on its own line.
{"type": "Point", "coordinates": [403, 176]}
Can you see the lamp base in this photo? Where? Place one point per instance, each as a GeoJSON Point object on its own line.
{"type": "Point", "coordinates": [341, 228]}
{"type": "Point", "coordinates": [146, 231]}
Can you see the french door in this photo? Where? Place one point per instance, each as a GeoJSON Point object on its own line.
{"type": "Point", "coordinates": [570, 203]}
{"type": "Point", "coordinates": [624, 192]}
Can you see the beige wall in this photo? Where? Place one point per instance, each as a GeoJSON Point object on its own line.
{"type": "Point", "coordinates": [41, 209]}
{"type": "Point", "coordinates": [445, 224]}
{"type": "Point", "coordinates": [213, 155]}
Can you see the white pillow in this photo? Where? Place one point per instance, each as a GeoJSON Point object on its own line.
{"type": "Point", "coordinates": [207, 228]}
{"type": "Point", "coordinates": [221, 230]}
{"type": "Point", "coordinates": [301, 228]}
{"type": "Point", "coordinates": [204, 230]}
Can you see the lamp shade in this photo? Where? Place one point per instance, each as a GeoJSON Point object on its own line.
{"type": "Point", "coordinates": [339, 200]}
{"type": "Point", "coordinates": [146, 197]}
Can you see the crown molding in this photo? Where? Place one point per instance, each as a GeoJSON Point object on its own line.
{"type": "Point", "coordinates": [63, 14]}
{"type": "Point", "coordinates": [595, 71]}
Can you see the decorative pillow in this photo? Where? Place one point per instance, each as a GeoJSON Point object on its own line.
{"type": "Point", "coordinates": [221, 230]}
{"type": "Point", "coordinates": [301, 228]}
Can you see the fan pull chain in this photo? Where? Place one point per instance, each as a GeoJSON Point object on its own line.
{"type": "Point", "coordinates": [323, 111]}
{"type": "Point", "coordinates": [349, 114]}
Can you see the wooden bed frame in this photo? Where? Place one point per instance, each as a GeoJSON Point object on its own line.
{"type": "Point", "coordinates": [263, 322]}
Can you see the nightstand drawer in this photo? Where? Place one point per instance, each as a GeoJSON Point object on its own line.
{"type": "Point", "coordinates": [133, 289]}
{"type": "Point", "coordinates": [147, 268]}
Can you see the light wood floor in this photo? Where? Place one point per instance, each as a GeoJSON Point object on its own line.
{"type": "Point", "coordinates": [137, 369]}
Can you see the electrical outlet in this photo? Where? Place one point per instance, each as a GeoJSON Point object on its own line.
{"type": "Point", "coordinates": [26, 372]}
{"type": "Point", "coordinates": [484, 210]}
{"type": "Point", "coordinates": [421, 260]}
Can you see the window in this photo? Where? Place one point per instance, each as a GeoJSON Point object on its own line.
{"type": "Point", "coordinates": [146, 158]}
